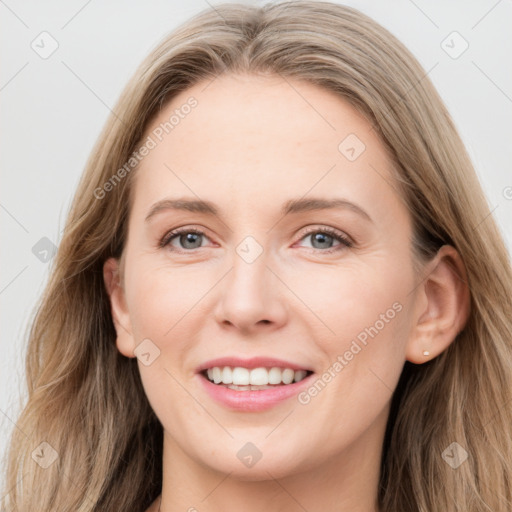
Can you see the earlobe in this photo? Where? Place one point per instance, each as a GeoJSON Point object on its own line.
{"type": "Point", "coordinates": [119, 311]}
{"type": "Point", "coordinates": [443, 307]}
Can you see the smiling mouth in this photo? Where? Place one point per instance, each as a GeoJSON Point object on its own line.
{"type": "Point", "coordinates": [253, 379]}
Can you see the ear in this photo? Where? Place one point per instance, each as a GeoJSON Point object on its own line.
{"type": "Point", "coordinates": [443, 306]}
{"type": "Point", "coordinates": [120, 316]}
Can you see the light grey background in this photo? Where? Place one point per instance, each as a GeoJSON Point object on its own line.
{"type": "Point", "coordinates": [53, 110]}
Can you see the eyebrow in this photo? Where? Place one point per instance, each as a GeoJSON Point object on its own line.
{"type": "Point", "coordinates": [292, 206]}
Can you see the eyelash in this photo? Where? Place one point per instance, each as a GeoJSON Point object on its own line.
{"type": "Point", "coordinates": [345, 242]}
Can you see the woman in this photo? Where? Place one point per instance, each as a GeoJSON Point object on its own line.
{"type": "Point", "coordinates": [278, 288]}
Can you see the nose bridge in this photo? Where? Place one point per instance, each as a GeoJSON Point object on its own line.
{"type": "Point", "coordinates": [249, 277]}
{"type": "Point", "coordinates": [249, 295]}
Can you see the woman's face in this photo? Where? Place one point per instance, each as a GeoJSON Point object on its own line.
{"type": "Point", "coordinates": [294, 253]}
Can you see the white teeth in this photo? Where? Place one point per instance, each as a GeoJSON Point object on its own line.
{"type": "Point", "coordinates": [244, 379]}
{"type": "Point", "coordinates": [240, 376]}
{"type": "Point", "coordinates": [247, 388]}
{"type": "Point", "coordinates": [259, 376]}
{"type": "Point", "coordinates": [274, 376]}
{"type": "Point", "coordinates": [288, 375]}
{"type": "Point", "coordinates": [217, 375]}
{"type": "Point", "coordinates": [227, 375]}
{"type": "Point", "coordinates": [299, 375]}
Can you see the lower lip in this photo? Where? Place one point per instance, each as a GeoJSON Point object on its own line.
{"type": "Point", "coordinates": [253, 401]}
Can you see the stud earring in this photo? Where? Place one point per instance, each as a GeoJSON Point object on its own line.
{"type": "Point", "coordinates": [426, 353]}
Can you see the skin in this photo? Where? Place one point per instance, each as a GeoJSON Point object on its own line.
{"type": "Point", "coordinates": [251, 144]}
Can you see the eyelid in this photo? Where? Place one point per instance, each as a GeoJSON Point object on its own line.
{"type": "Point", "coordinates": [169, 235]}
{"type": "Point", "coordinates": [344, 241]}
{"type": "Point", "coordinates": [336, 233]}
{"type": "Point", "coordinates": [343, 238]}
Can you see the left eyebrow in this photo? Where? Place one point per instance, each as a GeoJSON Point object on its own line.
{"type": "Point", "coordinates": [290, 207]}
{"type": "Point", "coordinates": [314, 203]}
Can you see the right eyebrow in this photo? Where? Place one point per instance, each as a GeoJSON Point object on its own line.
{"type": "Point", "coordinates": [191, 205]}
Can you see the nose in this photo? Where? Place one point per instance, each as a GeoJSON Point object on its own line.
{"type": "Point", "coordinates": [252, 297]}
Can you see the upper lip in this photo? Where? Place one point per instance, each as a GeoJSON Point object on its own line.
{"type": "Point", "coordinates": [253, 362]}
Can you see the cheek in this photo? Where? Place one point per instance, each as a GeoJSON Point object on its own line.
{"type": "Point", "coordinates": [160, 298]}
{"type": "Point", "coordinates": [344, 300]}
{"type": "Point", "coordinates": [162, 303]}
{"type": "Point", "coordinates": [361, 321]}
{"type": "Point", "coordinates": [365, 315]}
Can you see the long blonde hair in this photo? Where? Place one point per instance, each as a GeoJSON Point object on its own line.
{"type": "Point", "coordinates": [86, 400]}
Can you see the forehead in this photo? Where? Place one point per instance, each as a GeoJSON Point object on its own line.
{"type": "Point", "coordinates": [259, 137]}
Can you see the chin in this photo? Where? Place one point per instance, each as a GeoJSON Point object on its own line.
{"type": "Point", "coordinates": [264, 469]}
{"type": "Point", "coordinates": [259, 473]}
